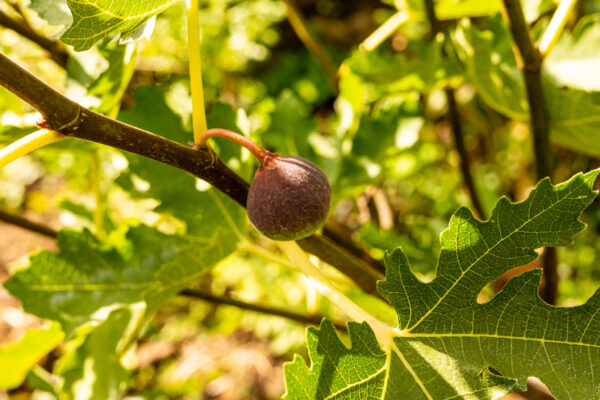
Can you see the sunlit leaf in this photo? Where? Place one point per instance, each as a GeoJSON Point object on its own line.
{"type": "Point", "coordinates": [94, 20]}
{"type": "Point", "coordinates": [574, 61]}
{"type": "Point", "coordinates": [16, 359]}
{"type": "Point", "coordinates": [446, 341]}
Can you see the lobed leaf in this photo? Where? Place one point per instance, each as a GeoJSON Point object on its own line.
{"type": "Point", "coordinates": [446, 341]}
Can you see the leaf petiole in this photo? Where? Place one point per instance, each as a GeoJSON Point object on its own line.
{"type": "Point", "coordinates": [27, 144]}
{"type": "Point", "coordinates": [383, 332]}
{"type": "Point", "coordinates": [198, 112]}
{"type": "Point", "coordinates": [557, 23]}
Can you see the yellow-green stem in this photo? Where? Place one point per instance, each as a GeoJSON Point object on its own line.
{"type": "Point", "coordinates": [268, 255]}
{"type": "Point", "coordinates": [95, 182]}
{"type": "Point", "coordinates": [383, 332]}
{"type": "Point", "coordinates": [557, 23]}
{"type": "Point", "coordinates": [198, 113]}
{"type": "Point", "coordinates": [384, 31]}
{"type": "Point", "coordinates": [27, 144]}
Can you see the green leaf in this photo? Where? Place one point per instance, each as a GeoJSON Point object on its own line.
{"type": "Point", "coordinates": [94, 20]}
{"type": "Point", "coordinates": [92, 368]}
{"type": "Point", "coordinates": [204, 212]}
{"type": "Point", "coordinates": [573, 61]}
{"type": "Point", "coordinates": [16, 359]}
{"type": "Point", "coordinates": [455, 9]}
{"type": "Point", "coordinates": [421, 67]}
{"type": "Point", "coordinates": [112, 82]}
{"type": "Point", "coordinates": [446, 341]}
{"type": "Point", "coordinates": [86, 278]}
{"type": "Point", "coordinates": [55, 12]}
{"type": "Point", "coordinates": [102, 293]}
{"type": "Point", "coordinates": [492, 67]}
{"type": "Point", "coordinates": [290, 127]}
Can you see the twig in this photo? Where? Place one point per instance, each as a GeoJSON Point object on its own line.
{"type": "Point", "coordinates": [456, 124]}
{"type": "Point", "coordinates": [53, 47]}
{"type": "Point", "coordinates": [299, 25]}
{"type": "Point", "coordinates": [531, 66]}
{"type": "Point", "coordinates": [95, 177]}
{"type": "Point", "coordinates": [434, 22]}
{"type": "Point", "coordinates": [27, 224]}
{"type": "Point", "coordinates": [384, 31]}
{"type": "Point", "coordinates": [73, 120]}
{"type": "Point", "coordinates": [557, 23]}
{"type": "Point", "coordinates": [465, 158]}
{"type": "Point", "coordinates": [302, 318]}
{"type": "Point", "coordinates": [383, 332]}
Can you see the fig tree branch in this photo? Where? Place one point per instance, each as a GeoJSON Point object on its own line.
{"type": "Point", "coordinates": [28, 224]}
{"type": "Point", "coordinates": [302, 318]}
{"type": "Point", "coordinates": [72, 120]}
{"type": "Point", "coordinates": [55, 48]}
{"type": "Point", "coordinates": [456, 124]}
{"type": "Point", "coordinates": [531, 67]}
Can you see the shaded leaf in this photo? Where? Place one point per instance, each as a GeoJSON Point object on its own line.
{"type": "Point", "coordinates": [55, 12]}
{"type": "Point", "coordinates": [204, 212]}
{"type": "Point", "coordinates": [491, 66]}
{"type": "Point", "coordinates": [421, 67]}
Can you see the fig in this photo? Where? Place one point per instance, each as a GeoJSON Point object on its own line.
{"type": "Point", "coordinates": [288, 198]}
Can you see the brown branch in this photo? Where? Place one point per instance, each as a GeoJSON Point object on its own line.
{"type": "Point", "coordinates": [71, 119]}
{"type": "Point", "coordinates": [55, 48]}
{"type": "Point", "coordinates": [465, 158]}
{"type": "Point", "coordinates": [456, 124]}
{"type": "Point", "coordinates": [531, 67]}
{"type": "Point", "coordinates": [27, 224]}
{"type": "Point", "coordinates": [298, 23]}
{"type": "Point", "coordinates": [302, 318]}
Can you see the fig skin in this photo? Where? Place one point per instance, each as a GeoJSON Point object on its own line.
{"type": "Point", "coordinates": [288, 198]}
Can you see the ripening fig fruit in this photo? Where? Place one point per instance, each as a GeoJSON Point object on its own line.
{"type": "Point", "coordinates": [289, 198]}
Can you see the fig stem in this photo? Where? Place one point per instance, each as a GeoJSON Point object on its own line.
{"type": "Point", "coordinates": [261, 154]}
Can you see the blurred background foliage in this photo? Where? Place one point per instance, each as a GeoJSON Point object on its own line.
{"type": "Point", "coordinates": [382, 136]}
